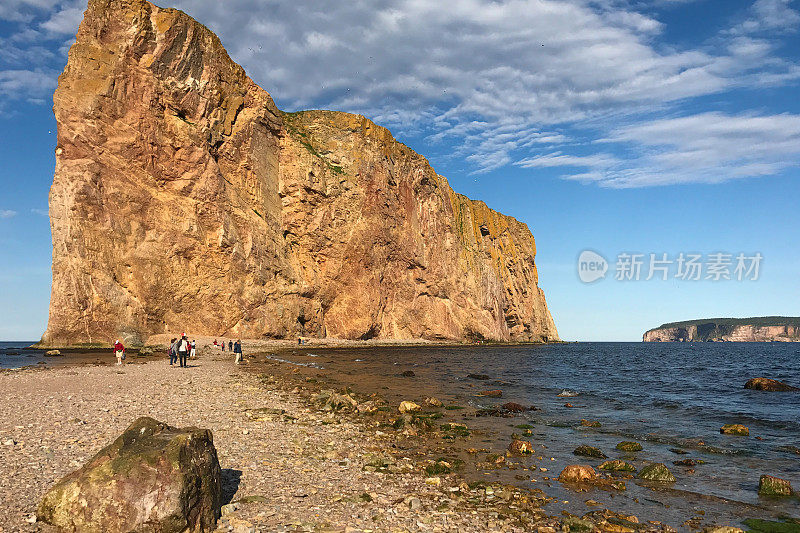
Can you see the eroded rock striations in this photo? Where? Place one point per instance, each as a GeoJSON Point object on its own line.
{"type": "Point", "coordinates": [756, 329]}
{"type": "Point", "coordinates": [183, 199]}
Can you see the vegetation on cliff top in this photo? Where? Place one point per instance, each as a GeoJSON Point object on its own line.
{"type": "Point", "coordinates": [752, 321]}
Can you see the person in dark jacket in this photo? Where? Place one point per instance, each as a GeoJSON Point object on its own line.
{"type": "Point", "coordinates": [230, 345]}
{"type": "Point", "coordinates": [173, 351]}
{"type": "Point", "coordinates": [237, 349]}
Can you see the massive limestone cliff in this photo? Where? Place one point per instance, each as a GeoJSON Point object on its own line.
{"type": "Point", "coordinates": [756, 329]}
{"type": "Point", "coordinates": [184, 199]}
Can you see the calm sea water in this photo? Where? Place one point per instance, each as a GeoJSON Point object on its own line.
{"type": "Point", "coordinates": [667, 396]}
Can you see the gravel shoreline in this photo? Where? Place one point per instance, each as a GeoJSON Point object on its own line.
{"type": "Point", "coordinates": [292, 467]}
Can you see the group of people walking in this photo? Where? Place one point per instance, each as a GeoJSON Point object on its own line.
{"type": "Point", "coordinates": [181, 350]}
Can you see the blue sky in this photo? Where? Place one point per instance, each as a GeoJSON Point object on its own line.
{"type": "Point", "coordinates": [640, 126]}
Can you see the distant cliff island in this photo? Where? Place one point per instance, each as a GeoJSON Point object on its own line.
{"type": "Point", "coordinates": [754, 329]}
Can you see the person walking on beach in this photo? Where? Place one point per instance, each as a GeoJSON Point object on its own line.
{"type": "Point", "coordinates": [173, 351]}
{"type": "Point", "coordinates": [193, 352]}
{"type": "Point", "coordinates": [237, 349]}
{"type": "Point", "coordinates": [230, 345]}
{"type": "Point", "coordinates": [183, 350]}
{"type": "Point", "coordinates": [119, 351]}
{"type": "Point", "coordinates": [223, 345]}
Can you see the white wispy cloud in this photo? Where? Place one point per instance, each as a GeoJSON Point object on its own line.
{"type": "Point", "coordinates": [707, 147]}
{"type": "Point", "coordinates": [7, 213]}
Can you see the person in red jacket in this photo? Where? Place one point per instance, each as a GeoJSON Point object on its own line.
{"type": "Point", "coordinates": [119, 351]}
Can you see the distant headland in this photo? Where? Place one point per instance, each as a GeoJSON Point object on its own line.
{"type": "Point", "coordinates": [753, 329]}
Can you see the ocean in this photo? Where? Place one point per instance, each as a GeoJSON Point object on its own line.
{"type": "Point", "coordinates": [671, 397]}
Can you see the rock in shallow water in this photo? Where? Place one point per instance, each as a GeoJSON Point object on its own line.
{"type": "Point", "coordinates": [629, 446]}
{"type": "Point", "coordinates": [774, 486]}
{"type": "Point", "coordinates": [735, 429]}
{"type": "Point", "coordinates": [657, 472]}
{"type": "Point", "coordinates": [153, 477]}
{"type": "Point", "coordinates": [577, 473]}
{"type": "Point", "coordinates": [770, 385]}
{"type": "Point", "coordinates": [589, 451]}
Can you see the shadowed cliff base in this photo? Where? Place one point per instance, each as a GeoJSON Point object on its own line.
{"type": "Point", "coordinates": [183, 199]}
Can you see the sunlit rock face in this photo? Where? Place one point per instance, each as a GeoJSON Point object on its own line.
{"type": "Point", "coordinates": [184, 199]}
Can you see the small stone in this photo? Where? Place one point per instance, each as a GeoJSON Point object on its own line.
{"type": "Point", "coordinates": [434, 481]}
{"type": "Point", "coordinates": [430, 401]}
{"type": "Point", "coordinates": [590, 423]}
{"type": "Point", "coordinates": [52, 353]}
{"type": "Point", "coordinates": [228, 509]}
{"type": "Point", "coordinates": [657, 472]}
{"type": "Point", "coordinates": [520, 447]}
{"type": "Point", "coordinates": [629, 446]}
{"type": "Point", "coordinates": [408, 374]}
{"type": "Point", "coordinates": [513, 407]}
{"type": "Point", "coordinates": [481, 377]}
{"type": "Point", "coordinates": [735, 429]}
{"type": "Point", "coordinates": [585, 450]}
{"type": "Point", "coordinates": [774, 486]}
{"type": "Point", "coordinates": [577, 473]}
{"type": "Point", "coordinates": [491, 393]}
{"type": "Point", "coordinates": [408, 407]}
{"type": "Point", "coordinates": [414, 503]}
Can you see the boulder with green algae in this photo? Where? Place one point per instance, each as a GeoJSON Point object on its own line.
{"type": "Point", "coordinates": [153, 477]}
{"type": "Point", "coordinates": [774, 486]}
{"type": "Point", "coordinates": [629, 446]}
{"type": "Point", "coordinates": [657, 472]}
{"type": "Point", "coordinates": [589, 451]}
{"type": "Point", "coordinates": [617, 466]}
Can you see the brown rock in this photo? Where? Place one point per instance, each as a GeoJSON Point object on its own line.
{"type": "Point", "coordinates": [735, 429]}
{"type": "Point", "coordinates": [185, 200]}
{"type": "Point", "coordinates": [152, 477]}
{"type": "Point", "coordinates": [770, 385]}
{"type": "Point", "coordinates": [491, 393]}
{"type": "Point", "coordinates": [577, 473]}
{"type": "Point", "coordinates": [520, 447]}
{"type": "Point", "coordinates": [408, 407]}
{"type": "Point", "coordinates": [513, 407]}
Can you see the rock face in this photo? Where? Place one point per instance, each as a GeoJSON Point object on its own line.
{"type": "Point", "coordinates": [185, 200]}
{"type": "Point", "coordinates": [756, 329]}
{"type": "Point", "coordinates": [153, 477]}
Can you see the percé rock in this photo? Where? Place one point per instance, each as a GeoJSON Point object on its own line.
{"type": "Point", "coordinates": [185, 200]}
{"type": "Point", "coordinates": [153, 477]}
{"type": "Point", "coordinates": [755, 329]}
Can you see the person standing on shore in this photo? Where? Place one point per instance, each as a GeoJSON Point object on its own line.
{"type": "Point", "coordinates": [193, 352]}
{"type": "Point", "coordinates": [173, 351]}
{"type": "Point", "coordinates": [119, 350]}
{"type": "Point", "coordinates": [183, 350]}
{"type": "Point", "coordinates": [223, 345]}
{"type": "Point", "coordinates": [230, 345]}
{"type": "Point", "coordinates": [237, 349]}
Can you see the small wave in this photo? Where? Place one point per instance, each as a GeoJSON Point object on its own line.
{"type": "Point", "coordinates": [286, 361]}
{"type": "Point", "coordinates": [566, 393]}
{"type": "Point", "coordinates": [360, 361]}
{"type": "Point", "coordinates": [311, 355]}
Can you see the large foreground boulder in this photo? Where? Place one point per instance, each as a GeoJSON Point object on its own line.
{"type": "Point", "coordinates": [153, 477]}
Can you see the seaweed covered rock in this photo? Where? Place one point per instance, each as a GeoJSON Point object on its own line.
{"type": "Point", "coordinates": [153, 477]}
{"type": "Point", "coordinates": [657, 472]}
{"type": "Point", "coordinates": [774, 486]}
{"type": "Point", "coordinates": [735, 429]}
{"type": "Point", "coordinates": [629, 446]}
{"type": "Point", "coordinates": [585, 450]}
